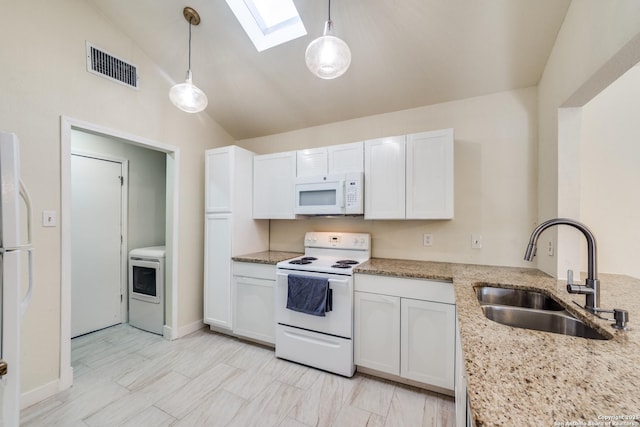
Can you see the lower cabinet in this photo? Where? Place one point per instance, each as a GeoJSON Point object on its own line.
{"type": "Point", "coordinates": [253, 300]}
{"type": "Point", "coordinates": [427, 343]}
{"type": "Point", "coordinates": [377, 332]}
{"type": "Point", "coordinates": [407, 328]}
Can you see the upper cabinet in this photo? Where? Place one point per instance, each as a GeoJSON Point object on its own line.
{"type": "Point", "coordinates": [409, 177]}
{"type": "Point", "coordinates": [384, 178]}
{"type": "Point", "coordinates": [273, 185]}
{"type": "Point", "coordinates": [218, 177]}
{"type": "Point", "coordinates": [430, 175]}
{"type": "Point", "coordinates": [329, 160]}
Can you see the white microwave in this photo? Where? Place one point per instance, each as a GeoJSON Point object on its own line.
{"type": "Point", "coordinates": [339, 194]}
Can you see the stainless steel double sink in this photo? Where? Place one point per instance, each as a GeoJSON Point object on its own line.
{"type": "Point", "coordinates": [530, 309]}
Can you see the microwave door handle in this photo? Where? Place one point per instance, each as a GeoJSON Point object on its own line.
{"type": "Point", "coordinates": [340, 192]}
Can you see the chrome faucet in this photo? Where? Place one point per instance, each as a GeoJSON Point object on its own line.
{"type": "Point", "coordinates": [592, 285]}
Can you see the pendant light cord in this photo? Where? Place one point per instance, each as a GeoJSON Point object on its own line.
{"type": "Point", "coordinates": [329, 10]}
{"type": "Point", "coordinates": [190, 44]}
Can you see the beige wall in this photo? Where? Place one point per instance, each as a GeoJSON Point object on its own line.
{"type": "Point", "coordinates": [43, 69]}
{"type": "Point", "coordinates": [592, 33]}
{"type": "Point", "coordinates": [609, 159]}
{"type": "Point", "coordinates": [495, 178]}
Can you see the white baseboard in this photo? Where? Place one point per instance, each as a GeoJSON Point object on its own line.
{"type": "Point", "coordinates": [173, 334]}
{"type": "Point", "coordinates": [39, 394]}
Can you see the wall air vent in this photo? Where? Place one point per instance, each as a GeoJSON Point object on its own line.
{"type": "Point", "coordinates": [106, 65]}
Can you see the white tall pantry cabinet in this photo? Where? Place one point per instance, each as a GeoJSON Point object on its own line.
{"type": "Point", "coordinates": [230, 229]}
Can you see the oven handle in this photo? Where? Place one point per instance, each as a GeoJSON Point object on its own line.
{"type": "Point", "coordinates": [342, 283]}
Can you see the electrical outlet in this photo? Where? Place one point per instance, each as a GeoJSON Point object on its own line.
{"type": "Point", "coordinates": [427, 239]}
{"type": "Point", "coordinates": [550, 248]}
{"type": "Point", "coordinates": [476, 241]}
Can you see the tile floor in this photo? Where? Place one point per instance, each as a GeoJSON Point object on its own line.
{"type": "Point", "coordinates": [127, 377]}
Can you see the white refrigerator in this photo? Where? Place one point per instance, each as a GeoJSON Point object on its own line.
{"type": "Point", "coordinates": [15, 247]}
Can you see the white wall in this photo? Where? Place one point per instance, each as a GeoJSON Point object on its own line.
{"type": "Point", "coordinates": [593, 32]}
{"type": "Point", "coordinates": [43, 69]}
{"type": "Point", "coordinates": [495, 180]}
{"type": "Point", "coordinates": [147, 188]}
{"type": "Point", "coordinates": [610, 173]}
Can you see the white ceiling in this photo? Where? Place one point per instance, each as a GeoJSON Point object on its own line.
{"type": "Point", "coordinates": [405, 54]}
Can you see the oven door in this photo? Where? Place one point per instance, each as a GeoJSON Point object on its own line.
{"type": "Point", "coordinates": [144, 280]}
{"type": "Point", "coordinates": [338, 322]}
{"type": "Point", "coordinates": [316, 196]}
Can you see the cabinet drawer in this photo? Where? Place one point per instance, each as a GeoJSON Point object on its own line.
{"type": "Point", "coordinates": [420, 289]}
{"type": "Point", "coordinates": [250, 269]}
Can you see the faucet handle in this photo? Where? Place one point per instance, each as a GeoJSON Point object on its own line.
{"type": "Point", "coordinates": [621, 317]}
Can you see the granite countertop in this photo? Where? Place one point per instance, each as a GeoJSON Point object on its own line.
{"type": "Point", "coordinates": [266, 257]}
{"type": "Point", "coordinates": [521, 377]}
{"type": "Point", "coordinates": [525, 377]}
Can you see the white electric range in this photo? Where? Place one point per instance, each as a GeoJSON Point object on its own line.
{"type": "Point", "coordinates": [323, 339]}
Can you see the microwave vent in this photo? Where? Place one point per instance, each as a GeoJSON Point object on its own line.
{"type": "Point", "coordinates": [102, 63]}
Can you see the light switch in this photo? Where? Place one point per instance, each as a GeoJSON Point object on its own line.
{"type": "Point", "coordinates": [49, 219]}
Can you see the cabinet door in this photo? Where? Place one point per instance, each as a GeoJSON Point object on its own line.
{"type": "Point", "coordinates": [384, 178]}
{"type": "Point", "coordinates": [273, 185]}
{"type": "Point", "coordinates": [430, 175]}
{"type": "Point", "coordinates": [346, 158]}
{"type": "Point", "coordinates": [376, 335]}
{"type": "Point", "coordinates": [217, 271]}
{"type": "Point", "coordinates": [218, 179]}
{"type": "Point", "coordinates": [311, 162]}
{"type": "Point", "coordinates": [428, 342]}
{"type": "Point", "coordinates": [254, 309]}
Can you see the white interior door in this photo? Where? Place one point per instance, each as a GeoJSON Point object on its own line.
{"type": "Point", "coordinates": [96, 244]}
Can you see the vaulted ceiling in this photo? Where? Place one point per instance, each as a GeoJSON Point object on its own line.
{"type": "Point", "coordinates": [405, 54]}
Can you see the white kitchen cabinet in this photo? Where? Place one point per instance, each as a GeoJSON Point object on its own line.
{"type": "Point", "coordinates": [406, 327]}
{"type": "Point", "coordinates": [312, 162]}
{"type": "Point", "coordinates": [333, 159]}
{"type": "Point", "coordinates": [217, 270]}
{"type": "Point", "coordinates": [218, 178]}
{"type": "Point", "coordinates": [229, 228]}
{"type": "Point", "coordinates": [377, 332]}
{"type": "Point", "coordinates": [429, 165]}
{"type": "Point", "coordinates": [254, 316]}
{"type": "Point", "coordinates": [273, 185]}
{"type": "Point", "coordinates": [344, 158]}
{"type": "Point", "coordinates": [409, 177]}
{"type": "Point", "coordinates": [428, 342]}
{"type": "Point", "coordinates": [384, 178]}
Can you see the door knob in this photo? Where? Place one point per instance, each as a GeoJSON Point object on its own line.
{"type": "Point", "coordinates": [3, 368]}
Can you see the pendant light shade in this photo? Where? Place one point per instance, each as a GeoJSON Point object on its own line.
{"type": "Point", "coordinates": [328, 56]}
{"type": "Point", "coordinates": [186, 96]}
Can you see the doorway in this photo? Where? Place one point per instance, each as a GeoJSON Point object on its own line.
{"type": "Point", "coordinates": [98, 240]}
{"type": "Point", "coordinates": [166, 218]}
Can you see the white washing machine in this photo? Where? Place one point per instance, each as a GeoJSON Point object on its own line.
{"type": "Point", "coordinates": [146, 289]}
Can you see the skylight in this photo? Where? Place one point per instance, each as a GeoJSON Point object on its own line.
{"type": "Point", "coordinates": [268, 23]}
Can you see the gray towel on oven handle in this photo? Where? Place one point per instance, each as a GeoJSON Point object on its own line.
{"type": "Point", "coordinates": [307, 294]}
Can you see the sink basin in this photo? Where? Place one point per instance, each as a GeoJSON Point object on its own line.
{"type": "Point", "coordinates": [517, 298]}
{"type": "Point", "coordinates": [559, 322]}
{"type": "Point", "coordinates": [532, 310]}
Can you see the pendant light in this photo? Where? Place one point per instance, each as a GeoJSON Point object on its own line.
{"type": "Point", "coordinates": [186, 96]}
{"type": "Point", "coordinates": [328, 56]}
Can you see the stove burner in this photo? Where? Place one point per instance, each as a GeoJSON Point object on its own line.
{"type": "Point", "coordinates": [303, 261]}
{"type": "Point", "coordinates": [300, 261]}
{"type": "Point", "coordinates": [341, 265]}
{"type": "Point", "coordinates": [347, 262]}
